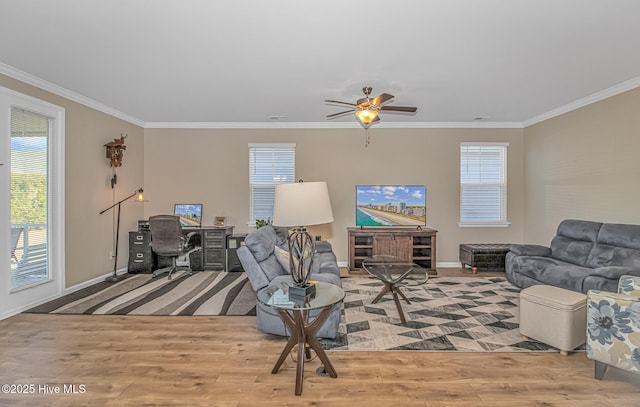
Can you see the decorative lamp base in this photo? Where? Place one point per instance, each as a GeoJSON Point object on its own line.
{"type": "Point", "coordinates": [302, 292]}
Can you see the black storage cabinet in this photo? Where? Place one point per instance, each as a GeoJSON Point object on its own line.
{"type": "Point", "coordinates": [233, 244]}
{"type": "Point", "coordinates": [140, 255]}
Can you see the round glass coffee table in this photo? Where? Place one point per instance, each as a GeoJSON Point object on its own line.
{"type": "Point", "coordinates": [394, 272]}
{"type": "Point", "coordinates": [295, 314]}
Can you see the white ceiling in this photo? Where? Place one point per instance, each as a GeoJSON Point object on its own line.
{"type": "Point", "coordinates": [242, 61]}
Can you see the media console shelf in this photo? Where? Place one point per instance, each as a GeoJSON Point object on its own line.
{"type": "Point", "coordinates": [416, 245]}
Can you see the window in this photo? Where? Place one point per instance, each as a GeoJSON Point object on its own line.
{"type": "Point", "coordinates": [483, 184]}
{"type": "Point", "coordinates": [269, 165]}
{"type": "Point", "coordinates": [30, 137]}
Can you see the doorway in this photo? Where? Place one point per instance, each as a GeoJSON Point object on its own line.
{"type": "Point", "coordinates": [31, 201]}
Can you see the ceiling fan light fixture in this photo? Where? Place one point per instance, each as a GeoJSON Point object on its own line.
{"type": "Point", "coordinates": [366, 116]}
{"type": "Point", "coordinates": [366, 109]}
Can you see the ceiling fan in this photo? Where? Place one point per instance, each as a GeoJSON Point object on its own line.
{"type": "Point", "coordinates": [367, 109]}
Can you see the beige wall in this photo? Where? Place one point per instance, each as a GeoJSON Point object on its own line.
{"type": "Point", "coordinates": [583, 165]}
{"type": "Point", "coordinates": [89, 236]}
{"type": "Point", "coordinates": [210, 166]}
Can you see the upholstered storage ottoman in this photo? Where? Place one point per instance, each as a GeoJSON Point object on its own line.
{"type": "Point", "coordinates": [483, 256]}
{"type": "Point", "coordinates": [554, 316]}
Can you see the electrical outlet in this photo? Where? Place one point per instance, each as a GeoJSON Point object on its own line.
{"type": "Point", "coordinates": [111, 256]}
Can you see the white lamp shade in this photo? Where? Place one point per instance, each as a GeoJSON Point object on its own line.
{"type": "Point", "coordinates": [302, 204]}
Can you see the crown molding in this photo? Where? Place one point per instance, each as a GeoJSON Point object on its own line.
{"type": "Point", "coordinates": [323, 125]}
{"type": "Point", "coordinates": [585, 101]}
{"type": "Point", "coordinates": [246, 125]}
{"type": "Point", "coordinates": [66, 93]}
{"type": "Point", "coordinates": [459, 125]}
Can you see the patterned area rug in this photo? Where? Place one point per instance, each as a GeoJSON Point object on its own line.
{"type": "Point", "coordinates": [204, 293]}
{"type": "Point", "coordinates": [469, 314]}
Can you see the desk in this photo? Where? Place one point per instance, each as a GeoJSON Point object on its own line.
{"type": "Point", "coordinates": [296, 315]}
{"type": "Point", "coordinates": [213, 256]}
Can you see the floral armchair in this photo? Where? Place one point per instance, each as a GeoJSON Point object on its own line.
{"type": "Point", "coordinates": [613, 327]}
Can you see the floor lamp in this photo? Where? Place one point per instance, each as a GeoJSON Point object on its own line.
{"type": "Point", "coordinates": [298, 205]}
{"type": "Point", "coordinates": [140, 198]}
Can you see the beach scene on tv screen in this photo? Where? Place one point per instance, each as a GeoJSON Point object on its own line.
{"type": "Point", "coordinates": [381, 205]}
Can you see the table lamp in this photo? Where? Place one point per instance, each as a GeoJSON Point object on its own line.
{"type": "Point", "coordinates": [297, 205]}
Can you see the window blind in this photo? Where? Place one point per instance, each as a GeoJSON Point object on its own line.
{"type": "Point", "coordinates": [269, 165]}
{"type": "Point", "coordinates": [29, 167]}
{"type": "Point", "coordinates": [483, 183]}
{"type": "Point", "coordinates": [29, 190]}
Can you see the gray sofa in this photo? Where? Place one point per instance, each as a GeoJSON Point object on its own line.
{"type": "Point", "coordinates": [259, 261]}
{"type": "Point", "coordinates": [582, 256]}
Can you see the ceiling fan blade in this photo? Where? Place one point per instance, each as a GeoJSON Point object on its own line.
{"type": "Point", "coordinates": [364, 102]}
{"type": "Point", "coordinates": [378, 100]}
{"type": "Point", "coordinates": [339, 102]}
{"type": "Point", "coordinates": [399, 108]}
{"type": "Point", "coordinates": [339, 114]}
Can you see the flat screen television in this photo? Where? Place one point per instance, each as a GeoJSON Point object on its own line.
{"type": "Point", "coordinates": [190, 214]}
{"type": "Point", "coordinates": [391, 205]}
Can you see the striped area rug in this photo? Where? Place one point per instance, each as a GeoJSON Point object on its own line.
{"type": "Point", "coordinates": [204, 293]}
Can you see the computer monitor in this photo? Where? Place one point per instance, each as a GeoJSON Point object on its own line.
{"type": "Point", "coordinates": [190, 214]}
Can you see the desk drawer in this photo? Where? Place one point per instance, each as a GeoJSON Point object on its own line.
{"type": "Point", "coordinates": [140, 238]}
{"type": "Point", "coordinates": [214, 239]}
{"type": "Point", "coordinates": [140, 261]}
{"type": "Point", "coordinates": [215, 259]}
{"type": "Point", "coordinates": [140, 255]}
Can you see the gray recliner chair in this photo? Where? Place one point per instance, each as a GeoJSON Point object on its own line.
{"type": "Point", "coordinates": [167, 240]}
{"type": "Point", "coordinates": [259, 261]}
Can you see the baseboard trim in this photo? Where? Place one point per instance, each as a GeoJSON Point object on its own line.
{"type": "Point", "coordinates": [449, 264]}
{"type": "Point", "coordinates": [93, 281]}
{"type": "Point", "coordinates": [65, 291]}
{"type": "Point", "coordinates": [18, 310]}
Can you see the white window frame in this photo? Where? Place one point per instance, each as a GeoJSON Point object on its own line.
{"type": "Point", "coordinates": [501, 221]}
{"type": "Point", "coordinates": [287, 149]}
{"type": "Point", "coordinates": [26, 297]}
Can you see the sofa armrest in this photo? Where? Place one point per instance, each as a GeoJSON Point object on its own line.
{"type": "Point", "coordinates": [613, 326]}
{"type": "Point", "coordinates": [629, 285]}
{"type": "Point", "coordinates": [322, 246]}
{"type": "Point", "coordinates": [530, 250]}
{"type": "Point", "coordinates": [612, 317]}
{"type": "Point", "coordinates": [325, 262]}
{"type": "Point", "coordinates": [254, 272]}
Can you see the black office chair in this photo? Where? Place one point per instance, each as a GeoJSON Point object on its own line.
{"type": "Point", "coordinates": [167, 240]}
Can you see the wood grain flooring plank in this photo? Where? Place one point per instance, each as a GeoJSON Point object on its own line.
{"type": "Point", "coordinates": [225, 361]}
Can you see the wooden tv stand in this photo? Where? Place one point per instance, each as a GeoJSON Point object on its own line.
{"type": "Point", "coordinates": [413, 244]}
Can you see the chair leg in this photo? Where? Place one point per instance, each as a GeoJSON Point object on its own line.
{"type": "Point", "coordinates": [160, 271]}
{"type": "Point", "coordinates": [600, 368]}
{"type": "Point", "coordinates": [169, 269]}
{"type": "Point", "coordinates": [173, 267]}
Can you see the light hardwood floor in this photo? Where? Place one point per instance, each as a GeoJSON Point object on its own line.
{"type": "Point", "coordinates": [225, 361]}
